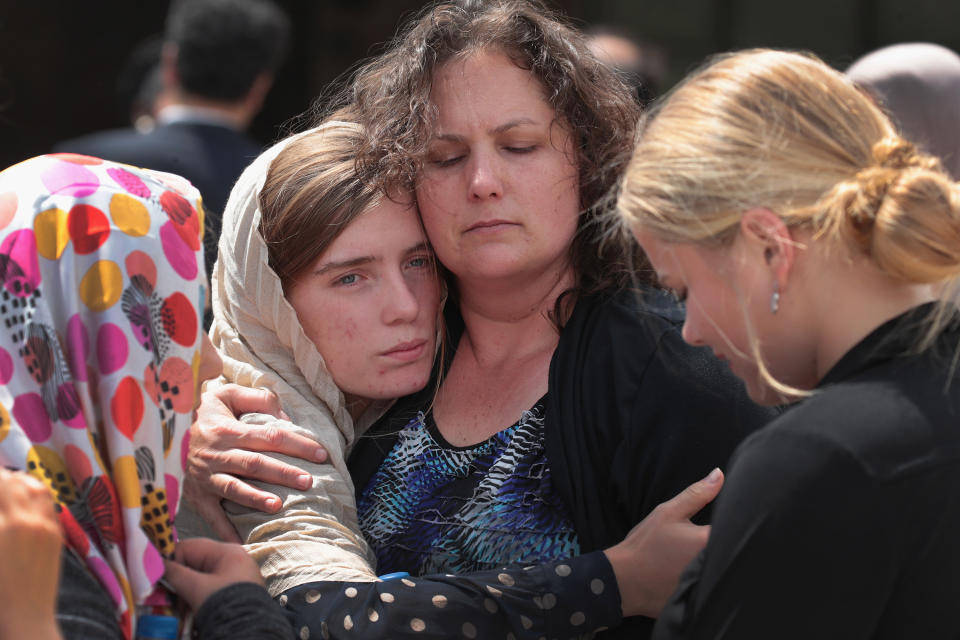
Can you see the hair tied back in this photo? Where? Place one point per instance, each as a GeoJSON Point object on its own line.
{"type": "Point", "coordinates": [902, 210]}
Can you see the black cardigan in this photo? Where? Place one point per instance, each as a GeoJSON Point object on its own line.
{"type": "Point", "coordinates": [633, 416]}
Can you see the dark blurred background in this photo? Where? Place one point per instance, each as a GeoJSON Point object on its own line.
{"type": "Point", "coordinates": [59, 59]}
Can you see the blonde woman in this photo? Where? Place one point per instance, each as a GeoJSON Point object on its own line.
{"type": "Point", "coordinates": [816, 249]}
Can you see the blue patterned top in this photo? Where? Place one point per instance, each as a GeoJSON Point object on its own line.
{"type": "Point", "coordinates": [433, 508]}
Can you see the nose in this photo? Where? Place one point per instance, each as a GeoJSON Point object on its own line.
{"type": "Point", "coordinates": [691, 332]}
{"type": "Point", "coordinates": [484, 176]}
{"type": "Point", "coordinates": [400, 303]}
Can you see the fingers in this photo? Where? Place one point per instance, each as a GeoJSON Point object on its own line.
{"type": "Point", "coordinates": [257, 466]}
{"type": "Point", "coordinates": [245, 400]}
{"type": "Point", "coordinates": [178, 576]}
{"type": "Point", "coordinates": [217, 428]}
{"type": "Point", "coordinates": [230, 562]}
{"type": "Point", "coordinates": [188, 584]}
{"type": "Point", "coordinates": [209, 509]}
{"type": "Point", "coordinates": [26, 499]}
{"type": "Point", "coordinates": [277, 440]}
{"type": "Point", "coordinates": [236, 490]}
{"type": "Point", "coordinates": [695, 497]}
{"type": "Point", "coordinates": [200, 554]}
{"type": "Point", "coordinates": [251, 465]}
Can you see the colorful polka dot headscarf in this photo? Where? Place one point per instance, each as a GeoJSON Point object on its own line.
{"type": "Point", "coordinates": [101, 292]}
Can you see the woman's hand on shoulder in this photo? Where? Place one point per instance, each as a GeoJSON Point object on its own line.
{"type": "Point", "coordinates": [202, 566]}
{"type": "Point", "coordinates": [30, 544]}
{"type": "Point", "coordinates": [649, 561]}
{"type": "Point", "coordinates": [224, 451]}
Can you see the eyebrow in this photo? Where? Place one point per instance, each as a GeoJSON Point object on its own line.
{"type": "Point", "coordinates": [361, 260]}
{"type": "Point", "coordinates": [344, 264]}
{"type": "Point", "coordinates": [506, 126]}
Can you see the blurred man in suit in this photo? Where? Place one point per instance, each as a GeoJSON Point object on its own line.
{"type": "Point", "coordinates": [217, 65]}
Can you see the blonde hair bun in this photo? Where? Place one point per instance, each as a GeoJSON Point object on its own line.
{"type": "Point", "coordinates": [903, 211]}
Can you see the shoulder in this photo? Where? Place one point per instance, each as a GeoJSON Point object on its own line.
{"type": "Point", "coordinates": [633, 341]}
{"type": "Point", "coordinates": [617, 327]}
{"type": "Point", "coordinates": [98, 143]}
{"type": "Point", "coordinates": [154, 149]}
{"type": "Point", "coordinates": [886, 426]}
{"type": "Point", "coordinates": [213, 133]}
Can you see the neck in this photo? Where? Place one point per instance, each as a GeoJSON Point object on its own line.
{"type": "Point", "coordinates": [507, 321]}
{"type": "Point", "coordinates": [853, 305]}
{"type": "Point", "coordinates": [236, 113]}
{"type": "Point", "coordinates": [356, 406]}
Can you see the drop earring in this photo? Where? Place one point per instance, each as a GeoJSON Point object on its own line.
{"type": "Point", "coordinates": [775, 298]}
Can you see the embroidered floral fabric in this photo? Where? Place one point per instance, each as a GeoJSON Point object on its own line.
{"type": "Point", "coordinates": [432, 507]}
{"type": "Point", "coordinates": [99, 354]}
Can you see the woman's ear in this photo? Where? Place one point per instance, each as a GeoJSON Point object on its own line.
{"type": "Point", "coordinates": [768, 235]}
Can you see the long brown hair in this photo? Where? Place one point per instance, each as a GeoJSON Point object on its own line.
{"type": "Point", "coordinates": [311, 194]}
{"type": "Point", "coordinates": [391, 94]}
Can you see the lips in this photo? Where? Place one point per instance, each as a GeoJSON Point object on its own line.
{"type": "Point", "coordinates": [489, 225]}
{"type": "Point", "coordinates": [406, 351]}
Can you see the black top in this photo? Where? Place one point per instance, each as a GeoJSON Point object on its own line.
{"type": "Point", "coordinates": [633, 416]}
{"type": "Point", "coordinates": [842, 518]}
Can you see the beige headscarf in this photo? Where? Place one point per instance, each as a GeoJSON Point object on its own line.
{"type": "Point", "coordinates": [316, 535]}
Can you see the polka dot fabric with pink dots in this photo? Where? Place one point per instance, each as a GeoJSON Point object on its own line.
{"type": "Point", "coordinates": [101, 292]}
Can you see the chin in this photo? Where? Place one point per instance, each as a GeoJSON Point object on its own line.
{"type": "Point", "coordinates": [398, 386]}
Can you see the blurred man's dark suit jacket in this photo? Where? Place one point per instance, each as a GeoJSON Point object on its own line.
{"type": "Point", "coordinates": [209, 155]}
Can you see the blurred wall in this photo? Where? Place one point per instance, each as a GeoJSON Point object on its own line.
{"type": "Point", "coordinates": [59, 59]}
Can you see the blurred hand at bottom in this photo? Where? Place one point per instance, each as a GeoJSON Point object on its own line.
{"type": "Point", "coordinates": [203, 566]}
{"type": "Point", "coordinates": [30, 544]}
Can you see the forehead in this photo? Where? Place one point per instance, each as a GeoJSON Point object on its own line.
{"type": "Point", "coordinates": [659, 252]}
{"type": "Point", "coordinates": [387, 226]}
{"type": "Point", "coordinates": [676, 260]}
{"type": "Point", "coordinates": [487, 84]}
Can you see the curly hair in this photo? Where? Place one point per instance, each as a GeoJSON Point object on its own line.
{"type": "Point", "coordinates": [391, 94]}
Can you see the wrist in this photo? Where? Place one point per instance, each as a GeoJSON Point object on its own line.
{"type": "Point", "coordinates": [636, 598]}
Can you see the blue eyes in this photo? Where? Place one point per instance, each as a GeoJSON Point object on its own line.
{"type": "Point", "coordinates": [351, 279]}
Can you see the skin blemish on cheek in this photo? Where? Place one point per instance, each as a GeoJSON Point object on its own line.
{"type": "Point", "coordinates": [349, 329]}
